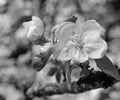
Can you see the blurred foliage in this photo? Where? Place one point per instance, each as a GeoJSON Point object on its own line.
{"type": "Point", "coordinates": [16, 72]}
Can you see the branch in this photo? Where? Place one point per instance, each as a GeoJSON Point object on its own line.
{"type": "Point", "coordinates": [93, 81]}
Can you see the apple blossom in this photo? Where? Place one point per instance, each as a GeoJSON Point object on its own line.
{"type": "Point", "coordinates": [79, 42]}
{"type": "Point", "coordinates": [73, 42]}
{"type": "Point", "coordinates": [82, 43]}
{"type": "Point", "coordinates": [35, 30]}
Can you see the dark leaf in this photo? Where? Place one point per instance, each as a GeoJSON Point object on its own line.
{"type": "Point", "coordinates": [52, 71]}
{"type": "Point", "coordinates": [97, 78]}
{"type": "Point", "coordinates": [36, 63]}
{"type": "Point", "coordinates": [72, 19]}
{"type": "Point", "coordinates": [58, 76]}
{"type": "Point", "coordinates": [39, 63]}
{"type": "Point", "coordinates": [107, 67]}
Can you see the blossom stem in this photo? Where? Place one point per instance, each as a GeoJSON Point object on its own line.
{"type": "Point", "coordinates": [68, 74]}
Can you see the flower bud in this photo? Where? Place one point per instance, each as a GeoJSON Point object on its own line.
{"type": "Point", "coordinates": [35, 31]}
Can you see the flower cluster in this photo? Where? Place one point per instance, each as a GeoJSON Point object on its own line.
{"type": "Point", "coordinates": [74, 41]}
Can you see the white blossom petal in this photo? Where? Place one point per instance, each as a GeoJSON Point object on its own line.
{"type": "Point", "coordinates": [64, 31]}
{"type": "Point", "coordinates": [27, 25]}
{"type": "Point", "coordinates": [95, 46]}
{"type": "Point", "coordinates": [88, 27]}
{"type": "Point", "coordinates": [73, 53]}
{"type": "Point", "coordinates": [64, 55]}
{"type": "Point", "coordinates": [82, 56]}
{"type": "Point", "coordinates": [57, 49]}
{"type": "Point", "coordinates": [33, 34]}
{"type": "Point", "coordinates": [39, 24]}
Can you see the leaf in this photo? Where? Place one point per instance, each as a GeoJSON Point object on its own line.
{"type": "Point", "coordinates": [52, 71]}
{"type": "Point", "coordinates": [107, 67]}
{"type": "Point", "coordinates": [72, 19]}
{"type": "Point", "coordinates": [36, 63]}
{"type": "Point", "coordinates": [58, 76]}
{"type": "Point", "coordinates": [39, 62]}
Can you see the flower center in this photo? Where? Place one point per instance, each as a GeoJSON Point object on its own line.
{"type": "Point", "coordinates": [77, 41]}
{"type": "Point", "coordinates": [81, 45]}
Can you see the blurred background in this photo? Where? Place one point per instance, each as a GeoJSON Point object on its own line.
{"type": "Point", "coordinates": [16, 72]}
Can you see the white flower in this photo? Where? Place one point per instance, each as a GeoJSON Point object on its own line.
{"type": "Point", "coordinates": [34, 29]}
{"type": "Point", "coordinates": [79, 42]}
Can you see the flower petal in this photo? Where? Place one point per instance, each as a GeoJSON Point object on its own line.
{"type": "Point", "coordinates": [57, 49]}
{"type": "Point", "coordinates": [39, 24]}
{"type": "Point", "coordinates": [27, 25]}
{"type": "Point", "coordinates": [74, 54]}
{"type": "Point", "coordinates": [95, 46]}
{"type": "Point", "coordinates": [64, 55]}
{"type": "Point", "coordinates": [33, 34]}
{"type": "Point", "coordinates": [63, 33]}
{"type": "Point", "coordinates": [83, 56]}
{"type": "Point", "coordinates": [88, 27]}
